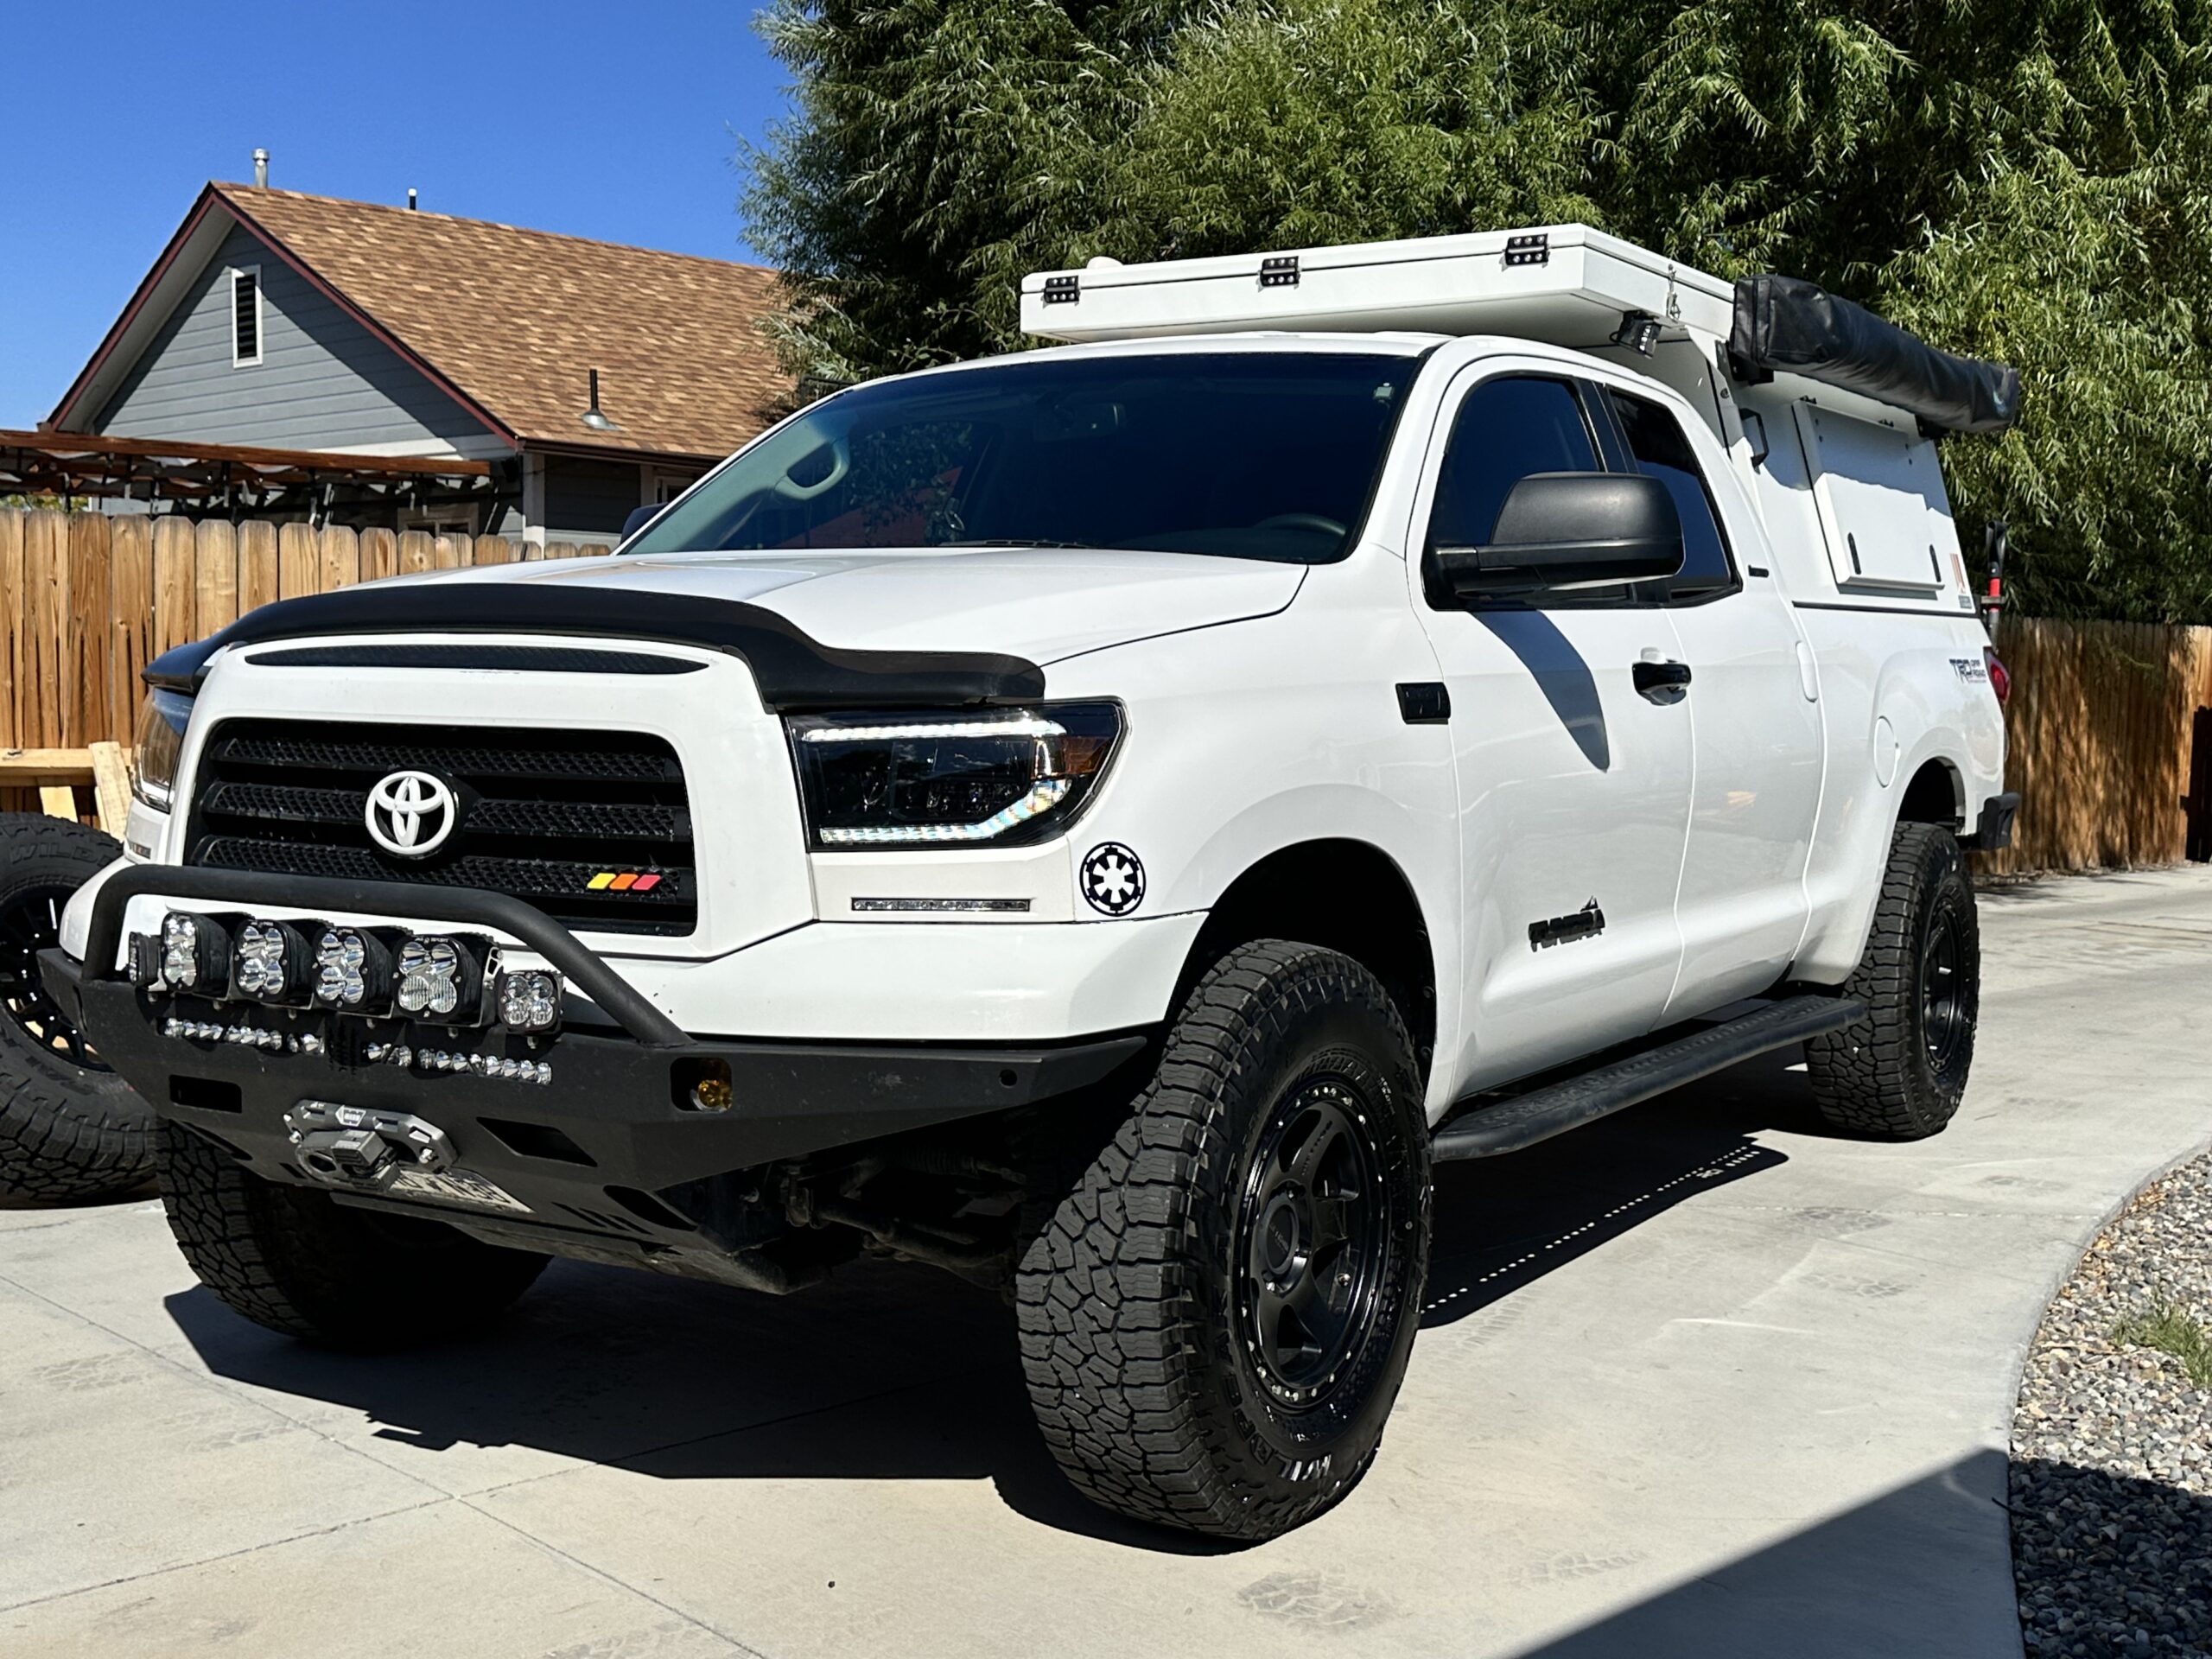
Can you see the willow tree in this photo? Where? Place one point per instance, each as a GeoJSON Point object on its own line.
{"type": "Point", "coordinates": [2029, 180]}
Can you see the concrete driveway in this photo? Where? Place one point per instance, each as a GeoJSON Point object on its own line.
{"type": "Point", "coordinates": [1701, 1380]}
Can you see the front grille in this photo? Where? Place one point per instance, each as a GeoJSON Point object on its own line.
{"type": "Point", "coordinates": [543, 814]}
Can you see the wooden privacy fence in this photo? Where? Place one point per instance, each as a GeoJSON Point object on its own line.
{"type": "Point", "coordinates": [2109, 742]}
{"type": "Point", "coordinates": [2102, 721]}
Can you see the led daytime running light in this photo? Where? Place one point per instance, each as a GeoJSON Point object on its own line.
{"type": "Point", "coordinates": [1018, 726]}
{"type": "Point", "coordinates": [1047, 794]}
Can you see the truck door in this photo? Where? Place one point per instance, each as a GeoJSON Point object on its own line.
{"type": "Point", "coordinates": [1754, 719]}
{"type": "Point", "coordinates": [1574, 784]}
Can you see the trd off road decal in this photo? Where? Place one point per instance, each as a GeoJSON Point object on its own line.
{"type": "Point", "coordinates": [1112, 879]}
{"type": "Point", "coordinates": [1971, 670]}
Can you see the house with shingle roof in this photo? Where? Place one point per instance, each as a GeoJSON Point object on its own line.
{"type": "Point", "coordinates": [572, 381]}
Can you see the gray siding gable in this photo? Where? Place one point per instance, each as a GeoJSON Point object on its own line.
{"type": "Point", "coordinates": [324, 381]}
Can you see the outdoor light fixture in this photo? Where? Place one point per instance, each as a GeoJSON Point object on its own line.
{"type": "Point", "coordinates": [270, 964]}
{"type": "Point", "coordinates": [438, 979]}
{"type": "Point", "coordinates": [353, 969]}
{"type": "Point", "coordinates": [1639, 332]}
{"type": "Point", "coordinates": [530, 998]}
{"type": "Point", "coordinates": [195, 953]}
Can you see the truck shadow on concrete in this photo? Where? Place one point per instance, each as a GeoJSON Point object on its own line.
{"type": "Point", "coordinates": [896, 1372]}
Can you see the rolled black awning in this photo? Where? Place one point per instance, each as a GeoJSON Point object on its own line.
{"type": "Point", "coordinates": [1784, 325]}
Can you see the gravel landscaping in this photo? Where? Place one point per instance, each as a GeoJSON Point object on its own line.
{"type": "Point", "coordinates": [2112, 1440]}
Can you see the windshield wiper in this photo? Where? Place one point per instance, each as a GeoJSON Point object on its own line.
{"type": "Point", "coordinates": [1011, 541]}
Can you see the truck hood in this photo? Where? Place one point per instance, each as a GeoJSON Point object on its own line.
{"type": "Point", "coordinates": [1044, 604]}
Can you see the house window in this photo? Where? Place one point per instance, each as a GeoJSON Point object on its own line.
{"type": "Point", "coordinates": [245, 317]}
{"type": "Point", "coordinates": [666, 487]}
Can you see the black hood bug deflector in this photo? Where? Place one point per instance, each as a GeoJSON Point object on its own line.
{"type": "Point", "coordinates": [792, 671]}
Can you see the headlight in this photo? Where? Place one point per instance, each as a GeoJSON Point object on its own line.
{"type": "Point", "coordinates": [154, 755]}
{"type": "Point", "coordinates": [992, 778]}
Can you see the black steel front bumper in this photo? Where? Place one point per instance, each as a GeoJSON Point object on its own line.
{"type": "Point", "coordinates": [588, 1149]}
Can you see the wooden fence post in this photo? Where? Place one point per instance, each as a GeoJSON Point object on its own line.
{"type": "Point", "coordinates": [176, 584]}
{"type": "Point", "coordinates": [257, 565]}
{"type": "Point", "coordinates": [299, 561]}
{"type": "Point", "coordinates": [380, 555]}
{"type": "Point", "coordinates": [131, 620]}
{"type": "Point", "coordinates": [217, 555]}
{"type": "Point", "coordinates": [341, 558]}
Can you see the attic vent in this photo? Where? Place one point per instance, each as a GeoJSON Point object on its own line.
{"type": "Point", "coordinates": [245, 317]}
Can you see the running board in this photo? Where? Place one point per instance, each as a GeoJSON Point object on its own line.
{"type": "Point", "coordinates": [1524, 1119]}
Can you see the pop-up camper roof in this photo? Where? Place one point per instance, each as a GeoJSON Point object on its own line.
{"type": "Point", "coordinates": [1564, 284]}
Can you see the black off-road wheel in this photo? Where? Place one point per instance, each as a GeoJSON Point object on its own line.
{"type": "Point", "coordinates": [298, 1261]}
{"type": "Point", "coordinates": [1216, 1317]}
{"type": "Point", "coordinates": [70, 1129]}
{"type": "Point", "coordinates": [1900, 1073]}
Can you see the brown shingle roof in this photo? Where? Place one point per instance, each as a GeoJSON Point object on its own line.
{"type": "Point", "coordinates": [513, 319]}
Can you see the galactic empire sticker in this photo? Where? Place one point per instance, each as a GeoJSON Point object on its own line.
{"type": "Point", "coordinates": [1112, 879]}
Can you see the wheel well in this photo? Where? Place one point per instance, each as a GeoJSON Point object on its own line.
{"type": "Point", "coordinates": [1932, 796]}
{"type": "Point", "coordinates": [1345, 895]}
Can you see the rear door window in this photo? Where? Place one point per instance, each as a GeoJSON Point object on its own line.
{"type": "Point", "coordinates": [1661, 450]}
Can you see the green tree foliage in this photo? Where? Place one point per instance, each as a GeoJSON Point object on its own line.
{"type": "Point", "coordinates": [2028, 180]}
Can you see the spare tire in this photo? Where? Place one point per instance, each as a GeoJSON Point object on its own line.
{"type": "Point", "coordinates": [70, 1129]}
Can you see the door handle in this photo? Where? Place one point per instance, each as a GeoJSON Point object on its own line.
{"type": "Point", "coordinates": [1655, 680]}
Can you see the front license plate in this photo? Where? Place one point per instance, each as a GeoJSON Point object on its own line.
{"type": "Point", "coordinates": [455, 1186]}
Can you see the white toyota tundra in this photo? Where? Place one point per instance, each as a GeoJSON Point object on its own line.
{"type": "Point", "coordinates": [1104, 821]}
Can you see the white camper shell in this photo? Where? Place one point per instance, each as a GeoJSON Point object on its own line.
{"type": "Point", "coordinates": [1831, 468]}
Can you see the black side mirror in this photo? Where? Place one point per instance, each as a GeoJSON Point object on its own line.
{"type": "Point", "coordinates": [639, 517]}
{"type": "Point", "coordinates": [1570, 530]}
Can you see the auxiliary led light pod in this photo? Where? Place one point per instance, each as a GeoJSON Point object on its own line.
{"type": "Point", "coordinates": [530, 998]}
{"type": "Point", "coordinates": [268, 963]}
{"type": "Point", "coordinates": [353, 969]}
{"type": "Point", "coordinates": [195, 953]}
{"type": "Point", "coordinates": [439, 979]}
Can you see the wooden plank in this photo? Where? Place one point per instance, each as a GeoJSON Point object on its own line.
{"type": "Point", "coordinates": [323, 460]}
{"type": "Point", "coordinates": [85, 710]}
{"type": "Point", "coordinates": [492, 550]}
{"type": "Point", "coordinates": [257, 565]}
{"type": "Point", "coordinates": [58, 801]}
{"type": "Point", "coordinates": [216, 553]}
{"type": "Point", "coordinates": [110, 787]}
{"type": "Point", "coordinates": [176, 584]}
{"type": "Point", "coordinates": [419, 551]}
{"type": "Point", "coordinates": [131, 620]}
{"type": "Point", "coordinates": [341, 558]}
{"type": "Point", "coordinates": [46, 594]}
{"type": "Point", "coordinates": [35, 768]}
{"type": "Point", "coordinates": [12, 680]}
{"type": "Point", "coordinates": [380, 555]}
{"type": "Point", "coordinates": [451, 553]}
{"type": "Point", "coordinates": [299, 561]}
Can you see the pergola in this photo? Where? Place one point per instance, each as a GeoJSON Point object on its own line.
{"type": "Point", "coordinates": [234, 480]}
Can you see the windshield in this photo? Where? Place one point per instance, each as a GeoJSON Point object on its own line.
{"type": "Point", "coordinates": [1256, 455]}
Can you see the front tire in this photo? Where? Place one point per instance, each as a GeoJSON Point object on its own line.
{"type": "Point", "coordinates": [295, 1260]}
{"type": "Point", "coordinates": [70, 1129]}
{"type": "Point", "coordinates": [1215, 1319]}
{"type": "Point", "coordinates": [1900, 1073]}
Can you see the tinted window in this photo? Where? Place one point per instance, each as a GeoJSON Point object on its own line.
{"type": "Point", "coordinates": [1505, 430]}
{"type": "Point", "coordinates": [1656, 439]}
{"type": "Point", "coordinates": [1254, 455]}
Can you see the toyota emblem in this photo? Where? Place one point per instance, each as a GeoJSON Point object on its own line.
{"type": "Point", "coordinates": [411, 814]}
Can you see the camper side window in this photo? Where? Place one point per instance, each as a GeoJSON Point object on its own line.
{"type": "Point", "coordinates": [1656, 440]}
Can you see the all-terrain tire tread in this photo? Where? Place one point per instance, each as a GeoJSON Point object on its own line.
{"type": "Point", "coordinates": [1105, 1307]}
{"type": "Point", "coordinates": [66, 1134]}
{"type": "Point", "coordinates": [1869, 1079]}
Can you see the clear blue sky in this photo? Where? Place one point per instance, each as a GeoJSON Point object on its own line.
{"type": "Point", "coordinates": [607, 120]}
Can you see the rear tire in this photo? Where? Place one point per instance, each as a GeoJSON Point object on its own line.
{"type": "Point", "coordinates": [1900, 1073]}
{"type": "Point", "coordinates": [1215, 1319]}
{"type": "Point", "coordinates": [70, 1129]}
{"type": "Point", "coordinates": [295, 1260]}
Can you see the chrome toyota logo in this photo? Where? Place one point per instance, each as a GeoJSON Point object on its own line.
{"type": "Point", "coordinates": [410, 814]}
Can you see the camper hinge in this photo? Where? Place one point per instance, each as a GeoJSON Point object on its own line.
{"type": "Point", "coordinates": [1063, 290]}
{"type": "Point", "coordinates": [1533, 249]}
{"type": "Point", "coordinates": [1279, 270]}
